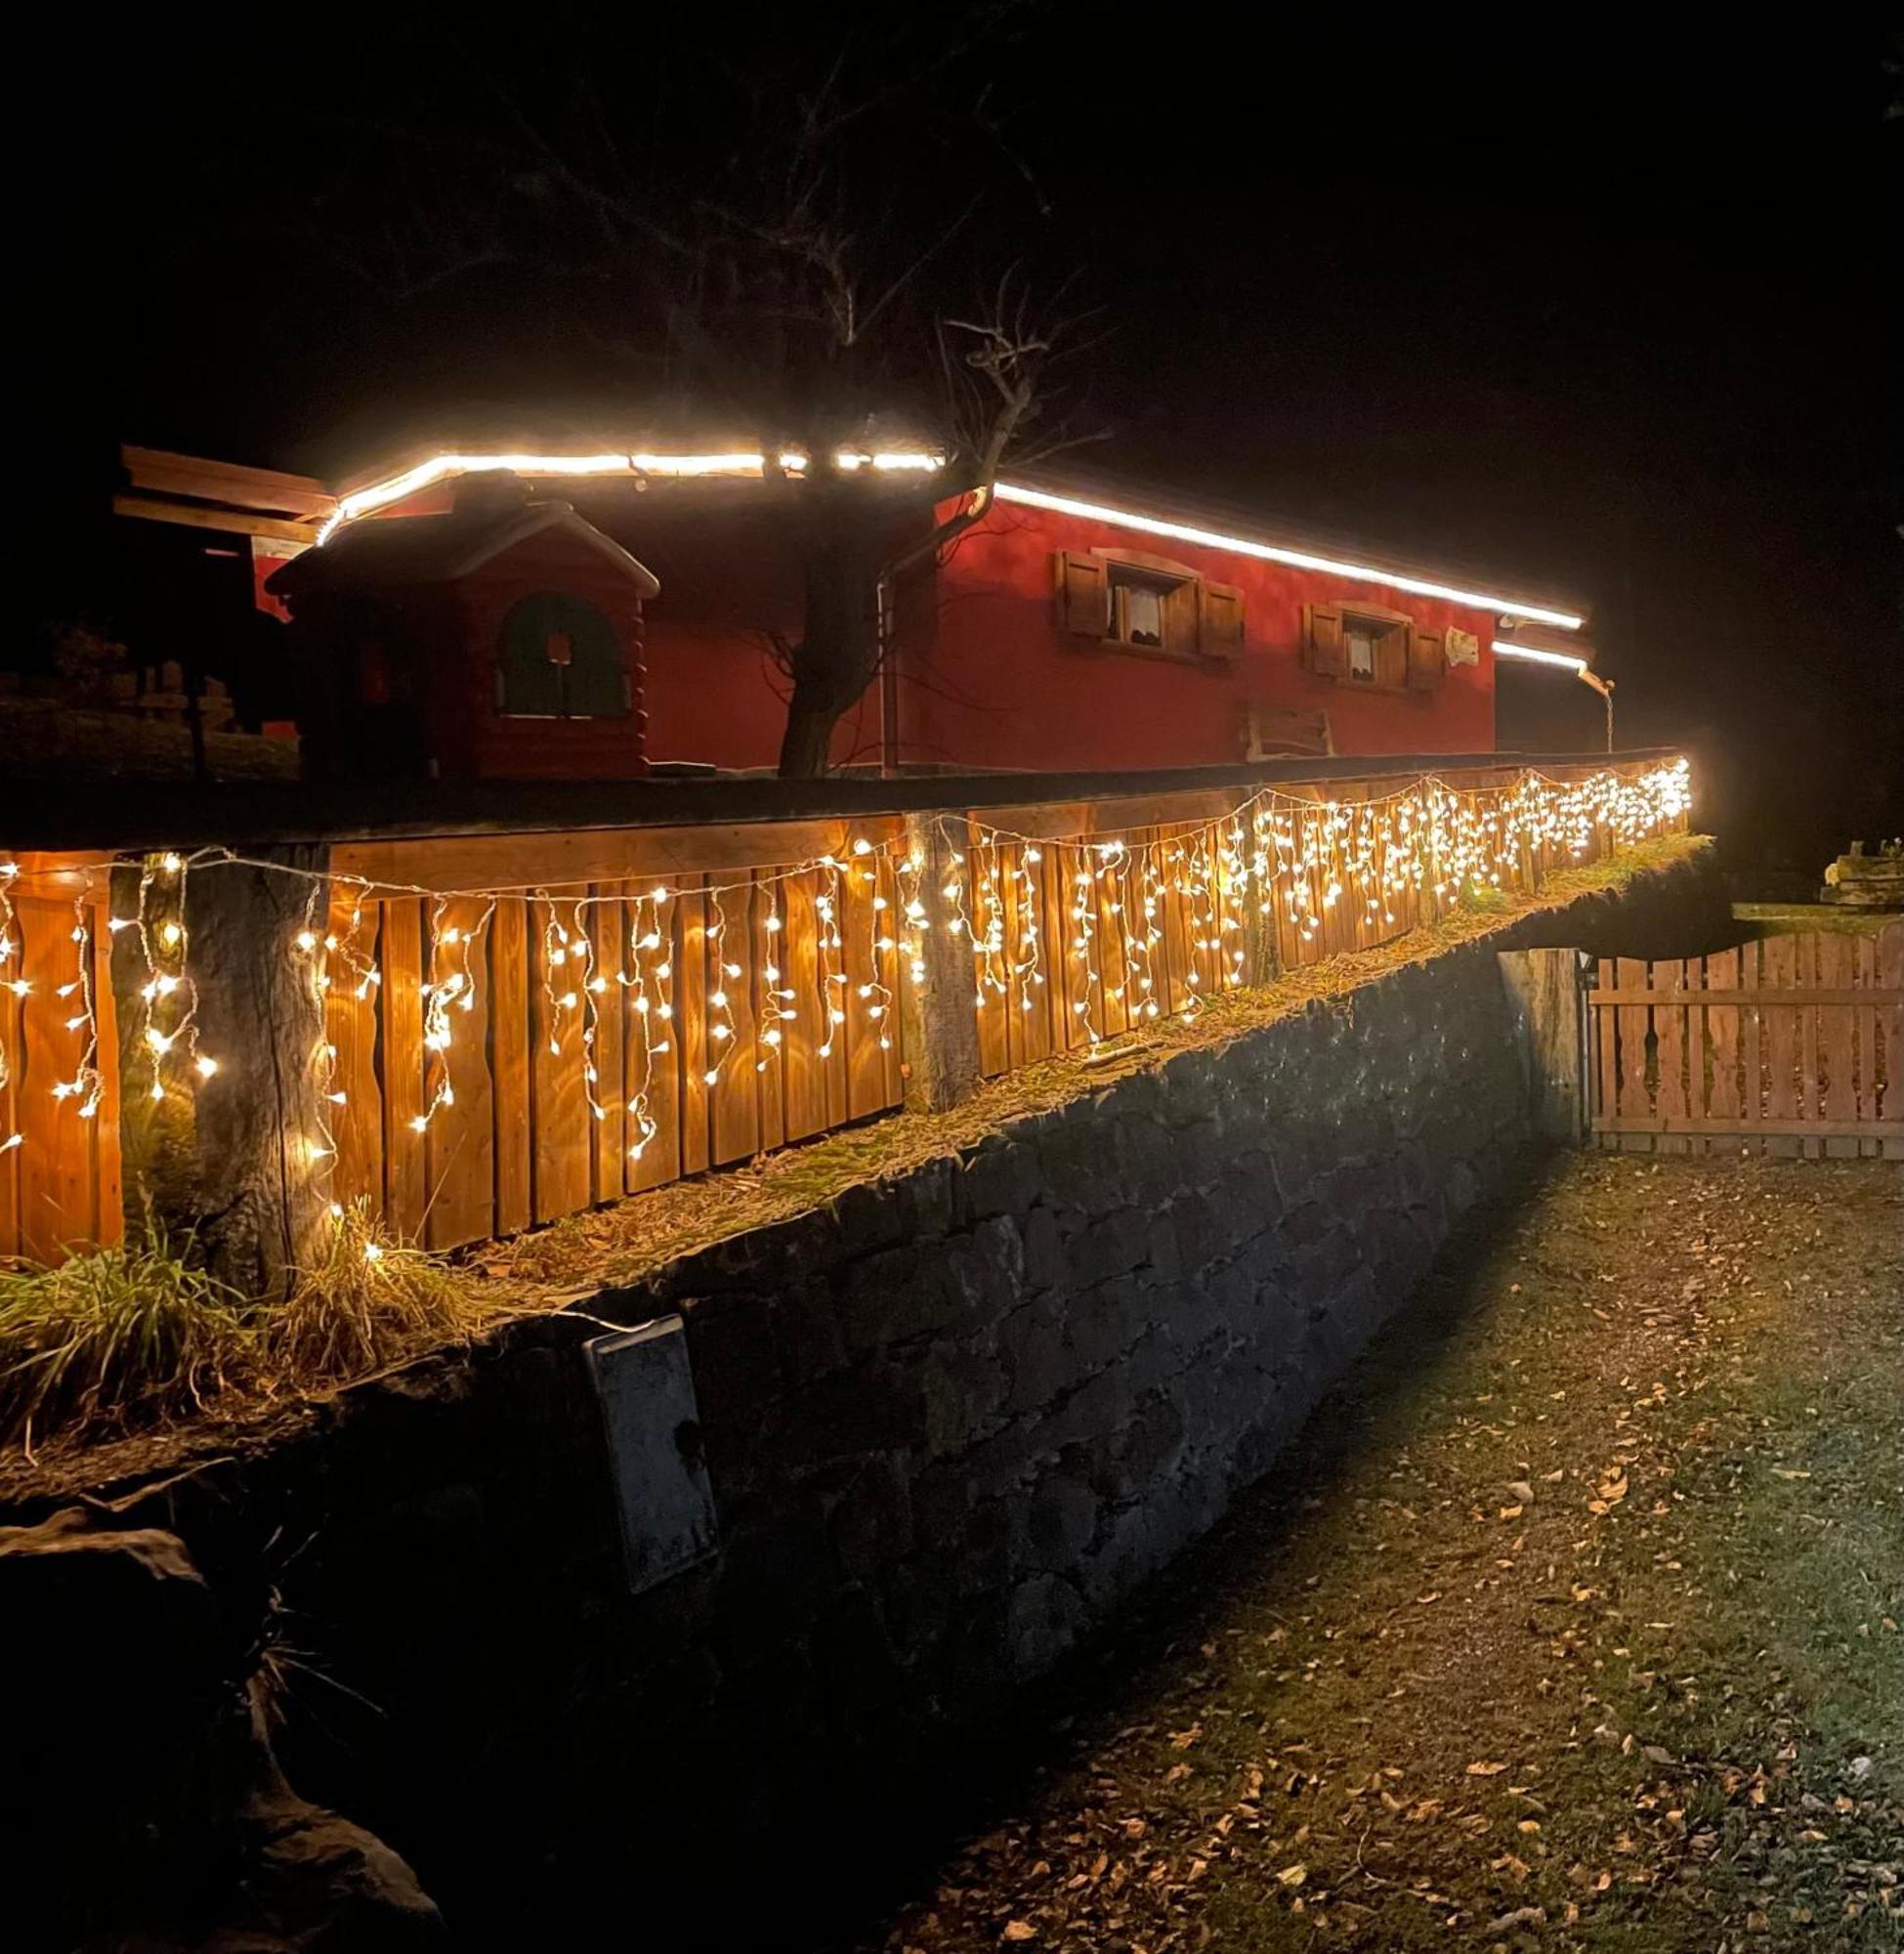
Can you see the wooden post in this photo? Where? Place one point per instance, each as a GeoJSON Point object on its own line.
{"type": "Point", "coordinates": [1549, 1014]}
{"type": "Point", "coordinates": [939, 1031]}
{"type": "Point", "coordinates": [218, 1120]}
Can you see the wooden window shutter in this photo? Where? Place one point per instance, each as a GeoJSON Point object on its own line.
{"type": "Point", "coordinates": [1182, 622]}
{"type": "Point", "coordinates": [1222, 621]}
{"type": "Point", "coordinates": [1323, 650]}
{"type": "Point", "coordinates": [1084, 593]}
{"type": "Point", "coordinates": [1423, 659]}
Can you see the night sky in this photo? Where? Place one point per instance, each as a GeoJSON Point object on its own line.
{"type": "Point", "coordinates": [1615, 312]}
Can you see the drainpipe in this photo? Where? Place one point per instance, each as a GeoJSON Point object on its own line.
{"type": "Point", "coordinates": [1604, 687]}
{"type": "Point", "coordinates": [888, 681]}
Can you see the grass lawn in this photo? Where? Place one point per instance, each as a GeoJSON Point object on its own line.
{"type": "Point", "coordinates": [1572, 1621]}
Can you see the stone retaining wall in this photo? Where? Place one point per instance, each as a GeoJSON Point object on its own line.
{"type": "Point", "coordinates": [950, 1423]}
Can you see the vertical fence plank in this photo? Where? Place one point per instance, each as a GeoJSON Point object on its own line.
{"type": "Point", "coordinates": [557, 1105]}
{"type": "Point", "coordinates": [1890, 1038]}
{"type": "Point", "coordinates": [1722, 1035]}
{"type": "Point", "coordinates": [1634, 1022]}
{"type": "Point", "coordinates": [1807, 1090]}
{"type": "Point", "coordinates": [355, 1120]}
{"type": "Point", "coordinates": [1751, 1085]}
{"type": "Point", "coordinates": [1864, 1035]}
{"type": "Point", "coordinates": [652, 1049]}
{"type": "Point", "coordinates": [734, 1099]}
{"type": "Point", "coordinates": [1697, 1088]}
{"type": "Point", "coordinates": [1779, 963]}
{"type": "Point", "coordinates": [1837, 1042]}
{"type": "Point", "coordinates": [11, 1109]}
{"type": "Point", "coordinates": [806, 1030]}
{"type": "Point", "coordinates": [56, 1197]}
{"type": "Point", "coordinates": [510, 1037]}
{"type": "Point", "coordinates": [459, 1143]}
{"type": "Point", "coordinates": [1605, 1056]}
{"type": "Point", "coordinates": [865, 1062]}
{"type": "Point", "coordinates": [690, 1020]}
{"type": "Point", "coordinates": [400, 1001]}
{"type": "Point", "coordinates": [986, 870]}
{"type": "Point", "coordinates": [887, 969]}
{"type": "Point", "coordinates": [607, 941]}
{"type": "Point", "coordinates": [1668, 1036]}
{"type": "Point", "coordinates": [767, 980]}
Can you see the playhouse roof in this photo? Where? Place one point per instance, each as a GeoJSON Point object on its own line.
{"type": "Point", "coordinates": [440, 549]}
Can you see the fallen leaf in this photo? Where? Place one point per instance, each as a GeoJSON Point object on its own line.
{"type": "Point", "coordinates": [1020, 1929]}
{"type": "Point", "coordinates": [1293, 1876]}
{"type": "Point", "coordinates": [1485, 1771]}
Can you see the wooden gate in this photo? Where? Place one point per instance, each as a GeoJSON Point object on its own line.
{"type": "Point", "coordinates": [1786, 1047]}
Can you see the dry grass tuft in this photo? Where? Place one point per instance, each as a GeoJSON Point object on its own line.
{"type": "Point", "coordinates": [116, 1340]}
{"type": "Point", "coordinates": [371, 1302]}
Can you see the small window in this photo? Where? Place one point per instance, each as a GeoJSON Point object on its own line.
{"type": "Point", "coordinates": [1377, 645]}
{"type": "Point", "coordinates": [1148, 606]}
{"type": "Point", "coordinates": [1142, 611]}
{"type": "Point", "coordinates": [1363, 645]}
{"type": "Point", "coordinates": [559, 658]}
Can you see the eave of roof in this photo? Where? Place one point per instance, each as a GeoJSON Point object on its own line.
{"type": "Point", "coordinates": [1167, 514]}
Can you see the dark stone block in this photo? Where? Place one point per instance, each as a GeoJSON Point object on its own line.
{"type": "Point", "coordinates": [1114, 1245]}
{"type": "Point", "coordinates": [1046, 1265]}
{"type": "Point", "coordinates": [1003, 1177]}
{"type": "Point", "coordinates": [1061, 1522]}
{"type": "Point", "coordinates": [1202, 1238]}
{"type": "Point", "coordinates": [965, 1387]}
{"type": "Point", "coordinates": [870, 1518]}
{"type": "Point", "coordinates": [869, 1217]}
{"type": "Point", "coordinates": [1034, 1346]}
{"type": "Point", "coordinates": [735, 1355]}
{"type": "Point", "coordinates": [1044, 1618]}
{"type": "Point", "coordinates": [874, 1406]}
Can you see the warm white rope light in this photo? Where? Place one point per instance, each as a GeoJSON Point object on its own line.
{"type": "Point", "coordinates": [1185, 532]}
{"type": "Point", "coordinates": [1565, 659]}
{"type": "Point", "coordinates": [424, 475]}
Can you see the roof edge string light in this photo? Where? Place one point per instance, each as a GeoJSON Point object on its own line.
{"type": "Point", "coordinates": [1360, 573]}
{"type": "Point", "coordinates": [741, 464]}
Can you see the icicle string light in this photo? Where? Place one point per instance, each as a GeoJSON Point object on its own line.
{"type": "Point", "coordinates": [1108, 932]}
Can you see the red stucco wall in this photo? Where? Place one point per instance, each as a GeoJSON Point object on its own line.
{"type": "Point", "coordinates": [1006, 686]}
{"type": "Point", "coordinates": [987, 676]}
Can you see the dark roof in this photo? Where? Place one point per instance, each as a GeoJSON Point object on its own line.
{"type": "Point", "coordinates": [393, 550]}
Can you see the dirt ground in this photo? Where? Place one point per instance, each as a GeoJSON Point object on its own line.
{"type": "Point", "coordinates": [1572, 1623]}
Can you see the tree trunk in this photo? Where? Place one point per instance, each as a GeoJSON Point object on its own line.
{"type": "Point", "coordinates": [223, 1157]}
{"type": "Point", "coordinates": [807, 742]}
{"type": "Point", "coordinates": [838, 653]}
{"type": "Point", "coordinates": [258, 1013]}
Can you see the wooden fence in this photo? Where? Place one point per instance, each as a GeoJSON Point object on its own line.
{"type": "Point", "coordinates": [519, 1026]}
{"type": "Point", "coordinates": [59, 1070]}
{"type": "Point", "coordinates": [1787, 1047]}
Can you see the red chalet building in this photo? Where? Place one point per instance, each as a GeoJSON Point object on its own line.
{"type": "Point", "coordinates": [1076, 626]}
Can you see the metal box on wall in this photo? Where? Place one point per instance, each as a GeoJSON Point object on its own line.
{"type": "Point", "coordinates": [645, 1386]}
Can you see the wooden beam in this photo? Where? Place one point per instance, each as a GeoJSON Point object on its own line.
{"type": "Point", "coordinates": [195, 516]}
{"type": "Point", "coordinates": [257, 490]}
{"type": "Point", "coordinates": [1677, 994]}
{"type": "Point", "coordinates": [1745, 1129]}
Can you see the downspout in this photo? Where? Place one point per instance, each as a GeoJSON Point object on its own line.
{"type": "Point", "coordinates": [1604, 687]}
{"type": "Point", "coordinates": [888, 679]}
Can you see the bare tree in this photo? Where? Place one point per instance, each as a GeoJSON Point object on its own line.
{"type": "Point", "coordinates": [793, 264]}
